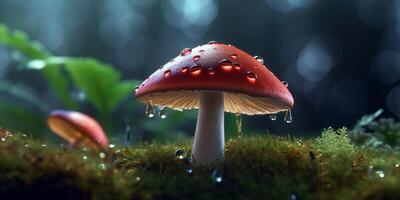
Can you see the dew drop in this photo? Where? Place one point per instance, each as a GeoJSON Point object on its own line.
{"type": "Point", "coordinates": [162, 66]}
{"type": "Point", "coordinates": [288, 117]}
{"type": "Point", "coordinates": [286, 84]}
{"type": "Point", "coordinates": [202, 51]}
{"type": "Point", "coordinates": [272, 117]}
{"type": "Point", "coordinates": [102, 155]}
{"type": "Point", "coordinates": [259, 59]}
{"type": "Point", "coordinates": [217, 176]}
{"type": "Point", "coordinates": [150, 110]}
{"type": "Point", "coordinates": [163, 112]}
{"type": "Point", "coordinates": [167, 73]}
{"type": "Point", "coordinates": [234, 56]}
{"type": "Point", "coordinates": [251, 76]}
{"type": "Point", "coordinates": [189, 170]}
{"type": "Point", "coordinates": [226, 65]}
{"type": "Point", "coordinates": [236, 66]}
{"type": "Point", "coordinates": [136, 88]}
{"type": "Point", "coordinates": [186, 51]}
{"type": "Point", "coordinates": [380, 173]}
{"type": "Point", "coordinates": [180, 154]}
{"type": "Point", "coordinates": [195, 70]}
{"type": "Point", "coordinates": [231, 45]}
{"type": "Point", "coordinates": [111, 146]}
{"type": "Point", "coordinates": [211, 71]}
{"type": "Point", "coordinates": [196, 58]}
{"type": "Point", "coordinates": [185, 69]}
{"type": "Point", "coordinates": [102, 166]}
{"type": "Point", "coordinates": [212, 42]}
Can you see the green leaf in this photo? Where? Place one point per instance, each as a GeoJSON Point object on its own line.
{"type": "Point", "coordinates": [20, 42]}
{"type": "Point", "coordinates": [98, 81]}
{"type": "Point", "coordinates": [59, 83]}
{"type": "Point", "coordinates": [22, 92]}
{"type": "Point", "coordinates": [121, 91]}
{"type": "Point", "coordinates": [19, 118]}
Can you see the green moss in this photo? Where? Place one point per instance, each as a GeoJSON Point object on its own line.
{"type": "Point", "coordinates": [258, 167]}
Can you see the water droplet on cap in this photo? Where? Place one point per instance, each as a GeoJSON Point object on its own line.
{"type": "Point", "coordinates": [196, 58]}
{"type": "Point", "coordinates": [226, 65]}
{"type": "Point", "coordinates": [195, 70]}
{"type": "Point", "coordinates": [167, 73]}
{"type": "Point", "coordinates": [212, 42]}
{"type": "Point", "coordinates": [236, 66]}
{"type": "Point", "coordinates": [211, 71]}
{"type": "Point", "coordinates": [259, 59]}
{"type": "Point", "coordinates": [251, 76]}
{"type": "Point", "coordinates": [186, 51]}
{"type": "Point", "coordinates": [201, 51]}
{"type": "Point", "coordinates": [234, 56]}
{"type": "Point", "coordinates": [185, 69]}
{"type": "Point", "coordinates": [272, 117]}
{"type": "Point", "coordinates": [286, 84]}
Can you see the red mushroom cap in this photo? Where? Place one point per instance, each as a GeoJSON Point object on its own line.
{"type": "Point", "coordinates": [76, 127]}
{"type": "Point", "coordinates": [249, 86]}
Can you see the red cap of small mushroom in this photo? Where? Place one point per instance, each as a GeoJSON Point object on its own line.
{"type": "Point", "coordinates": [77, 128]}
{"type": "Point", "coordinates": [249, 86]}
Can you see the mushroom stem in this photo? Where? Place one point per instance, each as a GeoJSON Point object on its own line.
{"type": "Point", "coordinates": [208, 145]}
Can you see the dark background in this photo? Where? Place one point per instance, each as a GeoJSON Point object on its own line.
{"type": "Point", "coordinates": [341, 58]}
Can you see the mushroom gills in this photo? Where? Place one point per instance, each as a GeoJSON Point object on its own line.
{"type": "Point", "coordinates": [208, 145]}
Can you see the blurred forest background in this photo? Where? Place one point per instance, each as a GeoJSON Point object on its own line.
{"type": "Point", "coordinates": [341, 59]}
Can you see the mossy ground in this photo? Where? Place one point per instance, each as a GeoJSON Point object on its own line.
{"type": "Point", "coordinates": [257, 167]}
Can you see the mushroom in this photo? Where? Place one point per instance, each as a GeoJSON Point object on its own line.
{"type": "Point", "coordinates": [214, 78]}
{"type": "Point", "coordinates": [77, 128]}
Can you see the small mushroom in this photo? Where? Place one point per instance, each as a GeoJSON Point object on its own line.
{"type": "Point", "coordinates": [78, 129]}
{"type": "Point", "coordinates": [215, 78]}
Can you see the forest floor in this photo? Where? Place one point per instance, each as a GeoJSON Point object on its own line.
{"type": "Point", "coordinates": [255, 167]}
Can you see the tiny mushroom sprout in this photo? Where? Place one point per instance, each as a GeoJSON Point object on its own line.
{"type": "Point", "coordinates": [78, 129]}
{"type": "Point", "coordinates": [214, 78]}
